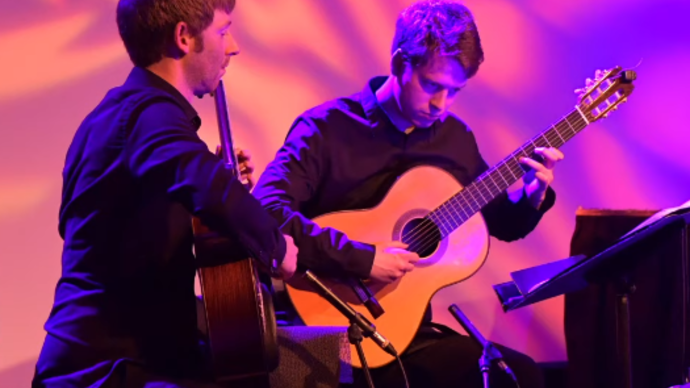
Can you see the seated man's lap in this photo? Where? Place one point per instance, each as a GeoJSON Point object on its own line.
{"type": "Point", "coordinates": [452, 360]}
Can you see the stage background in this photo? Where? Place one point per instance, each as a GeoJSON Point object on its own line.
{"type": "Point", "coordinates": [59, 57]}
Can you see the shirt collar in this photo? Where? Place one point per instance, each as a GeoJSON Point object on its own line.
{"type": "Point", "coordinates": [376, 116]}
{"type": "Point", "coordinates": [143, 77]}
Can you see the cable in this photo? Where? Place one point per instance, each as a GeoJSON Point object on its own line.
{"type": "Point", "coordinates": [402, 368]}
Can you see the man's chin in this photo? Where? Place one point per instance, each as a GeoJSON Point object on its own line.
{"type": "Point", "coordinates": [423, 123]}
{"type": "Point", "coordinates": [209, 88]}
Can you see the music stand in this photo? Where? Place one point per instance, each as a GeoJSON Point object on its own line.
{"type": "Point", "coordinates": [535, 284]}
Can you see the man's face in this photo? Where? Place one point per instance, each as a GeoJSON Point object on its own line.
{"type": "Point", "coordinates": [210, 55]}
{"type": "Point", "coordinates": [426, 91]}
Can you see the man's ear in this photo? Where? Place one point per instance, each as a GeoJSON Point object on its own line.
{"type": "Point", "coordinates": [183, 38]}
{"type": "Point", "coordinates": [398, 63]}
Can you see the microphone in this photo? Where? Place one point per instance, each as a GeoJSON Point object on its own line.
{"type": "Point", "coordinates": [492, 351]}
{"type": "Point", "coordinates": [368, 329]}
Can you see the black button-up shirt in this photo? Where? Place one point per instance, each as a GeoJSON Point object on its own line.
{"type": "Point", "coordinates": [134, 175]}
{"type": "Point", "coordinates": [346, 154]}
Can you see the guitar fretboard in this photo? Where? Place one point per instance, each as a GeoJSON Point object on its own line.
{"type": "Point", "coordinates": [471, 199]}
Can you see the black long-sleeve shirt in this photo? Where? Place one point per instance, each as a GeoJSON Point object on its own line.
{"type": "Point", "coordinates": [134, 175]}
{"type": "Point", "coordinates": [346, 154]}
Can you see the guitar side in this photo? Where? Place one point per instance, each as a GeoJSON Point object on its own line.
{"type": "Point", "coordinates": [457, 257]}
{"type": "Point", "coordinates": [239, 313]}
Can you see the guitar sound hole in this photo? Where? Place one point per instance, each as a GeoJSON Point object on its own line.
{"type": "Point", "coordinates": [422, 236]}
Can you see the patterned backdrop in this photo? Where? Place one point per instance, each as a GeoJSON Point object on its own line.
{"type": "Point", "coordinates": [59, 57]}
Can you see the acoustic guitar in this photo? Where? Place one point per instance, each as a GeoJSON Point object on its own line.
{"type": "Point", "coordinates": [239, 312]}
{"type": "Point", "coordinates": [440, 220]}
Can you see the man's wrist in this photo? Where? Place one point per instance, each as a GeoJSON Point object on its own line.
{"type": "Point", "coordinates": [535, 198]}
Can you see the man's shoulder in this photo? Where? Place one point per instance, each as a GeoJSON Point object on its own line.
{"type": "Point", "coordinates": [334, 118]}
{"type": "Point", "coordinates": [122, 107]}
{"type": "Point", "coordinates": [144, 87]}
{"type": "Point", "coordinates": [133, 103]}
{"type": "Point", "coordinates": [140, 97]}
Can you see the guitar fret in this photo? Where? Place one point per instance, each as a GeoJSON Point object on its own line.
{"type": "Point", "coordinates": [496, 184]}
{"type": "Point", "coordinates": [510, 170]}
{"type": "Point", "coordinates": [480, 193]}
{"type": "Point", "coordinates": [457, 221]}
{"type": "Point", "coordinates": [443, 222]}
{"type": "Point", "coordinates": [493, 191]}
{"type": "Point", "coordinates": [466, 213]}
{"type": "Point", "coordinates": [473, 197]}
{"type": "Point", "coordinates": [577, 122]}
{"type": "Point", "coordinates": [457, 200]}
{"type": "Point", "coordinates": [481, 201]}
{"type": "Point", "coordinates": [558, 129]}
{"type": "Point", "coordinates": [558, 134]}
{"type": "Point", "coordinates": [548, 143]}
{"type": "Point", "coordinates": [449, 222]}
{"type": "Point", "coordinates": [474, 201]}
{"type": "Point", "coordinates": [570, 126]}
{"type": "Point", "coordinates": [583, 115]}
{"type": "Point", "coordinates": [515, 168]}
{"type": "Point", "coordinates": [455, 213]}
{"type": "Point", "coordinates": [500, 174]}
{"type": "Point", "coordinates": [452, 212]}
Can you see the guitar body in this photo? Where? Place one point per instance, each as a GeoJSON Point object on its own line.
{"type": "Point", "coordinates": [454, 259]}
{"type": "Point", "coordinates": [240, 317]}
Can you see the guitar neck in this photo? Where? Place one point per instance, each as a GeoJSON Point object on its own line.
{"type": "Point", "coordinates": [226, 145]}
{"type": "Point", "coordinates": [471, 199]}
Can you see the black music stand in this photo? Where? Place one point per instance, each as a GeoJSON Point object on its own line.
{"type": "Point", "coordinates": [535, 284]}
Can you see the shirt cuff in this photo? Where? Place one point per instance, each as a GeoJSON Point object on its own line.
{"type": "Point", "coordinates": [276, 259]}
{"type": "Point", "coordinates": [361, 259]}
{"type": "Point", "coordinates": [526, 207]}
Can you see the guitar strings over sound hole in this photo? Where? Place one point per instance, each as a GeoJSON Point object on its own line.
{"type": "Point", "coordinates": [422, 236]}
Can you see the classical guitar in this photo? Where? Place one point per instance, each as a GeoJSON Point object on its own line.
{"type": "Point", "coordinates": [239, 312]}
{"type": "Point", "coordinates": [440, 220]}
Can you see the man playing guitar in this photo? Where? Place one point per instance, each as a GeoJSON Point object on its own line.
{"type": "Point", "coordinates": [346, 154]}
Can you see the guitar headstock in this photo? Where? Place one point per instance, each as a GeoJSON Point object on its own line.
{"type": "Point", "coordinates": [605, 92]}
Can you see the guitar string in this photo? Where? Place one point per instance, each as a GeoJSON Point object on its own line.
{"type": "Point", "coordinates": [482, 179]}
{"type": "Point", "coordinates": [440, 223]}
{"type": "Point", "coordinates": [428, 238]}
{"type": "Point", "coordinates": [428, 231]}
{"type": "Point", "coordinates": [430, 226]}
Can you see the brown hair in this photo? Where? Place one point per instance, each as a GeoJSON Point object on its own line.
{"type": "Point", "coordinates": [147, 27]}
{"type": "Point", "coordinates": [439, 27]}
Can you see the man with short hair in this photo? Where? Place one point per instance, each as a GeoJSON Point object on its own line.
{"type": "Point", "coordinates": [135, 174]}
{"type": "Point", "coordinates": [347, 153]}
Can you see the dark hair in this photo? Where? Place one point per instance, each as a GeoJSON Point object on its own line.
{"type": "Point", "coordinates": [147, 27]}
{"type": "Point", "coordinates": [442, 27]}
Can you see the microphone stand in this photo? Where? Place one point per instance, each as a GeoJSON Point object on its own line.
{"type": "Point", "coordinates": [354, 335]}
{"type": "Point", "coordinates": [485, 366]}
{"type": "Point", "coordinates": [359, 328]}
{"type": "Point", "coordinates": [489, 351]}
